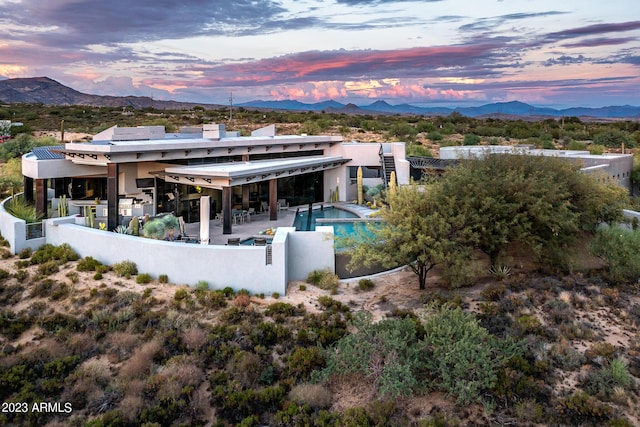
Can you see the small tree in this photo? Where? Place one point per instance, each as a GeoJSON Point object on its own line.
{"type": "Point", "coordinates": [414, 232]}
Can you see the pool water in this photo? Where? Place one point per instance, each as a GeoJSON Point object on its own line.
{"type": "Point", "coordinates": [302, 222]}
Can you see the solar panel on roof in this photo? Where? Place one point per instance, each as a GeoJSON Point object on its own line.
{"type": "Point", "coordinates": [47, 153]}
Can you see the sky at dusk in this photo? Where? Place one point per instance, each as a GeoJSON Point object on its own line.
{"type": "Point", "coordinates": [427, 53]}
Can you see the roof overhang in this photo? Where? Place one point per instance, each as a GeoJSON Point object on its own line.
{"type": "Point", "coordinates": [232, 174]}
{"type": "Point", "coordinates": [102, 152]}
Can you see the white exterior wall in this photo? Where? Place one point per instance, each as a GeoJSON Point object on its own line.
{"type": "Point", "coordinates": [57, 168]}
{"type": "Point", "coordinates": [309, 251]}
{"type": "Point", "coordinates": [240, 267]}
{"type": "Point", "coordinates": [14, 230]}
{"type": "Point", "coordinates": [235, 266]}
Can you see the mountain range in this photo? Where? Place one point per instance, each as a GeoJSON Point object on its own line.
{"type": "Point", "coordinates": [43, 90]}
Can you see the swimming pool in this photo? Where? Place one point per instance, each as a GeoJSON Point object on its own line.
{"type": "Point", "coordinates": [304, 223]}
{"type": "Point", "coordinates": [344, 223]}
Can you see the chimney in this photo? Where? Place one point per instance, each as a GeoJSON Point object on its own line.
{"type": "Point", "coordinates": [213, 131]}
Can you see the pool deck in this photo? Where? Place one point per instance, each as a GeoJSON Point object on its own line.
{"type": "Point", "coordinates": [260, 222]}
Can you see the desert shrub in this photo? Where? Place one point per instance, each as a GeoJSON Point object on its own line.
{"type": "Point", "coordinates": [602, 382]}
{"type": "Point", "coordinates": [461, 355]}
{"type": "Point", "coordinates": [324, 279]}
{"type": "Point", "coordinates": [102, 268]}
{"type": "Point", "coordinates": [97, 276]}
{"type": "Point", "coordinates": [566, 357]}
{"type": "Point", "coordinates": [242, 300]}
{"type": "Point", "coordinates": [316, 396]}
{"type": "Point", "coordinates": [601, 350]}
{"type": "Point", "coordinates": [143, 278]}
{"type": "Point", "coordinates": [163, 278]}
{"type": "Point", "coordinates": [494, 292]}
{"type": "Point", "coordinates": [21, 275]}
{"type": "Point", "coordinates": [385, 352]}
{"type": "Point", "coordinates": [48, 252]}
{"type": "Point", "coordinates": [43, 288]}
{"type": "Point", "coordinates": [281, 310]}
{"type": "Point", "coordinates": [471, 139]}
{"type": "Point", "coordinates": [305, 360]}
{"type": "Point", "coordinates": [246, 367]}
{"type": "Point", "coordinates": [332, 305]}
{"type": "Point", "coordinates": [580, 408]}
{"type": "Point", "coordinates": [211, 299]}
{"type": "Point", "coordinates": [25, 253]}
{"type": "Point", "coordinates": [48, 268]}
{"type": "Point", "coordinates": [181, 295]}
{"type": "Point", "coordinates": [365, 284]}
{"type": "Point", "coordinates": [234, 405]}
{"type": "Point", "coordinates": [620, 248]}
{"type": "Point", "coordinates": [72, 276]}
{"type": "Point", "coordinates": [88, 263]}
{"type": "Point", "coordinates": [270, 334]}
{"type": "Point", "coordinates": [275, 295]}
{"type": "Point", "coordinates": [125, 269]}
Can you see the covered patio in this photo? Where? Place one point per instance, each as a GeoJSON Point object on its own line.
{"type": "Point", "coordinates": [243, 230]}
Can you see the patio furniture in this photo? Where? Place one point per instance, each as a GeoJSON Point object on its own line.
{"type": "Point", "coordinates": [259, 241]}
{"type": "Point", "coordinates": [184, 237]}
{"type": "Point", "coordinates": [282, 204]}
{"type": "Point", "coordinates": [264, 206]}
{"type": "Point", "coordinates": [233, 241]}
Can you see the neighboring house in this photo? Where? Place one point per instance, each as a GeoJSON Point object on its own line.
{"type": "Point", "coordinates": [125, 172]}
{"type": "Point", "coordinates": [612, 167]}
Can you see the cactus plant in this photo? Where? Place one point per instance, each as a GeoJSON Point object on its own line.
{"type": "Point", "coordinates": [359, 177]}
{"type": "Point", "coordinates": [62, 206]}
{"type": "Point", "coordinates": [134, 226]}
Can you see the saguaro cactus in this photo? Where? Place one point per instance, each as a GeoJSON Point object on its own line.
{"type": "Point", "coordinates": [392, 182]}
{"type": "Point", "coordinates": [359, 178]}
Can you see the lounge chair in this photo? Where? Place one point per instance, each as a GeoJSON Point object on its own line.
{"type": "Point", "coordinates": [282, 204]}
{"type": "Point", "coordinates": [233, 241]}
{"type": "Point", "coordinates": [264, 206]}
{"type": "Point", "coordinates": [259, 241]}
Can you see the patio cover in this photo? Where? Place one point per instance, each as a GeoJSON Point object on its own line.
{"type": "Point", "coordinates": [222, 175]}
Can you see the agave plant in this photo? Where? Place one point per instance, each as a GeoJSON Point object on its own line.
{"type": "Point", "coordinates": [22, 209]}
{"type": "Point", "coordinates": [122, 229]}
{"type": "Point", "coordinates": [500, 271]}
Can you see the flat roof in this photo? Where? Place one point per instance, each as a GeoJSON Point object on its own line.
{"type": "Point", "coordinates": [230, 174]}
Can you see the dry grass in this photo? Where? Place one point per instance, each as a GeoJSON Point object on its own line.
{"type": "Point", "coordinates": [123, 344]}
{"type": "Point", "coordinates": [316, 396]}
{"type": "Point", "coordinates": [140, 363]}
{"type": "Point", "coordinates": [194, 338]}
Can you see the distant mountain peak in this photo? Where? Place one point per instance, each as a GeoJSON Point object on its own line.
{"type": "Point", "coordinates": [44, 90]}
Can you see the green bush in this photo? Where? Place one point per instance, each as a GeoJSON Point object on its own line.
{"type": "Point", "coordinates": [461, 355]}
{"type": "Point", "coordinates": [163, 278]}
{"type": "Point", "coordinates": [620, 248]}
{"type": "Point", "coordinates": [25, 253]}
{"type": "Point", "coordinates": [281, 310]}
{"type": "Point", "coordinates": [386, 352]}
{"type": "Point", "coordinates": [143, 278]}
{"type": "Point", "coordinates": [125, 269]}
{"type": "Point", "coordinates": [88, 263]}
{"type": "Point", "coordinates": [365, 284]}
{"type": "Point", "coordinates": [471, 139]}
{"type": "Point", "coordinates": [48, 252]}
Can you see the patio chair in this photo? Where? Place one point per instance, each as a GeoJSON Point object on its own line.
{"type": "Point", "coordinates": [184, 237]}
{"type": "Point", "coordinates": [233, 241]}
{"type": "Point", "coordinates": [259, 241]}
{"type": "Point", "coordinates": [282, 204]}
{"type": "Point", "coordinates": [264, 206]}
